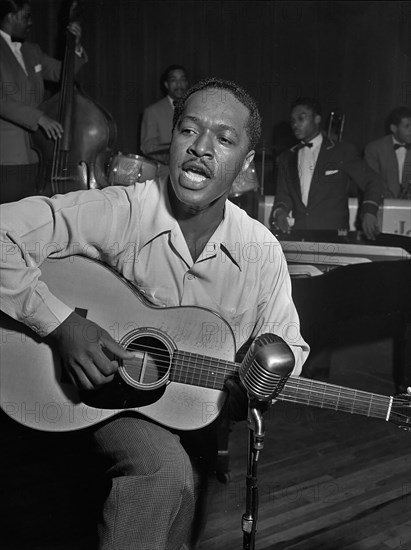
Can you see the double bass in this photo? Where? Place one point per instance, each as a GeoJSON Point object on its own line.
{"type": "Point", "coordinates": [78, 159]}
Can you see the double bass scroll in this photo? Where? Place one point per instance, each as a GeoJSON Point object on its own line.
{"type": "Point", "coordinates": [78, 159]}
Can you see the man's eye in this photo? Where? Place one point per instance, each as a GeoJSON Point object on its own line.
{"type": "Point", "coordinates": [187, 131]}
{"type": "Point", "coordinates": [225, 140]}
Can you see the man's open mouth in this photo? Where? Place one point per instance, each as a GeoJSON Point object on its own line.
{"type": "Point", "coordinates": [195, 172]}
{"type": "Point", "coordinates": [195, 177]}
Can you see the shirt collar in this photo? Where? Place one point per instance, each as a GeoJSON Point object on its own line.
{"type": "Point", "coordinates": [171, 100]}
{"type": "Point", "coordinates": [223, 242]}
{"type": "Point", "coordinates": [317, 140]}
{"type": "Point", "coordinates": [10, 43]}
{"type": "Point", "coordinates": [395, 141]}
{"type": "Point", "coordinates": [163, 221]}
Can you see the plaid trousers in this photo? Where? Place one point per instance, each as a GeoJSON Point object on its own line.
{"type": "Point", "coordinates": [153, 486]}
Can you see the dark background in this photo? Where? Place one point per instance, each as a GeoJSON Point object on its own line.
{"type": "Point", "coordinates": [355, 56]}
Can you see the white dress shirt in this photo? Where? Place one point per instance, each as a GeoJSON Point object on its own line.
{"type": "Point", "coordinates": [401, 153]}
{"type": "Point", "coordinates": [307, 159]}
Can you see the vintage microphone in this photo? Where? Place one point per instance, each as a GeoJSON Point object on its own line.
{"type": "Point", "coordinates": [266, 367]}
{"type": "Point", "coordinates": [264, 371]}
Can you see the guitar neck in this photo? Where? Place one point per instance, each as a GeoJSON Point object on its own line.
{"type": "Point", "coordinates": [339, 398]}
{"type": "Point", "coordinates": [198, 370]}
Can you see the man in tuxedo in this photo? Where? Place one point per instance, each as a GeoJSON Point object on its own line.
{"type": "Point", "coordinates": [23, 69]}
{"type": "Point", "coordinates": [157, 123]}
{"type": "Point", "coordinates": [390, 155]}
{"type": "Point", "coordinates": [314, 178]}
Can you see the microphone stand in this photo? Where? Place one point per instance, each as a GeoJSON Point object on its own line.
{"type": "Point", "coordinates": [255, 444]}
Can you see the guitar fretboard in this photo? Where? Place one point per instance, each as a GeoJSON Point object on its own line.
{"type": "Point", "coordinates": [329, 396]}
{"type": "Point", "coordinates": [199, 370]}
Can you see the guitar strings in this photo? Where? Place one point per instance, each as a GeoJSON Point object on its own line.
{"type": "Point", "coordinates": [325, 396]}
{"type": "Point", "coordinates": [189, 359]}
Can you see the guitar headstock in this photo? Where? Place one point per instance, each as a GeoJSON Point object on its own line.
{"type": "Point", "coordinates": [401, 411]}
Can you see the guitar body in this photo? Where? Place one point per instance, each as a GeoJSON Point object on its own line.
{"type": "Point", "coordinates": [183, 355]}
{"type": "Point", "coordinates": [36, 392]}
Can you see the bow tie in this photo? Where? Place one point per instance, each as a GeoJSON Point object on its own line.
{"type": "Point", "coordinates": [399, 145]}
{"type": "Point", "coordinates": [304, 144]}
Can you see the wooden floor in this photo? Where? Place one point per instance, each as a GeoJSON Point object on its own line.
{"type": "Point", "coordinates": [328, 480]}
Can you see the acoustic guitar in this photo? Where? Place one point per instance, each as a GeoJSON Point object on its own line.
{"type": "Point", "coordinates": [183, 355]}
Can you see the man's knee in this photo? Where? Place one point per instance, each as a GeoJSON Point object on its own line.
{"type": "Point", "coordinates": [141, 449]}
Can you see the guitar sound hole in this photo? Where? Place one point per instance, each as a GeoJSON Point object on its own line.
{"type": "Point", "coordinates": [151, 364]}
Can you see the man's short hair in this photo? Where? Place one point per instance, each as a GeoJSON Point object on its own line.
{"type": "Point", "coordinates": [396, 115]}
{"type": "Point", "coordinates": [11, 6]}
{"type": "Point", "coordinates": [313, 104]}
{"type": "Point", "coordinates": [170, 69]}
{"type": "Point", "coordinates": [253, 125]}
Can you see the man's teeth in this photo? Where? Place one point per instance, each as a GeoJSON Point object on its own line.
{"type": "Point", "coordinates": [194, 176]}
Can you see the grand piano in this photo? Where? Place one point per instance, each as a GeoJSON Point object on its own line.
{"type": "Point", "coordinates": [350, 290]}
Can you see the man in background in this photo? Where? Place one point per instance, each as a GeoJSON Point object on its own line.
{"type": "Point", "coordinates": [23, 69]}
{"type": "Point", "coordinates": [156, 126]}
{"type": "Point", "coordinates": [390, 155]}
{"type": "Point", "coordinates": [314, 178]}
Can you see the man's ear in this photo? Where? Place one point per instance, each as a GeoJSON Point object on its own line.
{"type": "Point", "coordinates": [10, 17]}
{"type": "Point", "coordinates": [165, 85]}
{"type": "Point", "coordinates": [247, 161]}
{"type": "Point", "coordinates": [317, 119]}
{"type": "Point", "coordinates": [393, 129]}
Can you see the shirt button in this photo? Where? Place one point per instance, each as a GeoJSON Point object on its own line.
{"type": "Point", "coordinates": [190, 276]}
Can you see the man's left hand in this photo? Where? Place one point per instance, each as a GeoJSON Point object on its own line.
{"type": "Point", "coordinates": [75, 28]}
{"type": "Point", "coordinates": [370, 226]}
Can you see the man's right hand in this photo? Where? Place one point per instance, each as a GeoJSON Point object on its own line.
{"type": "Point", "coordinates": [53, 128]}
{"type": "Point", "coordinates": [279, 220]}
{"type": "Point", "coordinates": [81, 344]}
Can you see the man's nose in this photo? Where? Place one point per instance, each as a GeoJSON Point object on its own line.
{"type": "Point", "coordinates": [202, 145]}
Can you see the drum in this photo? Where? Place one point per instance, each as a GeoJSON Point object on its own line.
{"type": "Point", "coordinates": [245, 182]}
{"type": "Point", "coordinates": [130, 169]}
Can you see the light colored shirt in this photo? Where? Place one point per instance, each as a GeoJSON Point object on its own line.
{"type": "Point", "coordinates": [401, 153]}
{"type": "Point", "coordinates": [241, 274]}
{"type": "Point", "coordinates": [307, 159]}
{"type": "Point", "coordinates": [15, 48]}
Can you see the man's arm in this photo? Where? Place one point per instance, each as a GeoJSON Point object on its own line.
{"type": "Point", "coordinates": [371, 158]}
{"type": "Point", "coordinates": [52, 67]}
{"type": "Point", "coordinates": [276, 314]}
{"type": "Point", "coordinates": [35, 229]}
{"type": "Point", "coordinates": [370, 183]}
{"type": "Point", "coordinates": [283, 201]}
{"type": "Point", "coordinates": [13, 105]}
{"type": "Point", "coordinates": [276, 310]}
